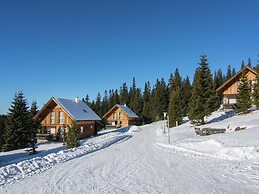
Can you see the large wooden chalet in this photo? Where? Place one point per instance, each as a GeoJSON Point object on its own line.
{"type": "Point", "coordinates": [120, 116]}
{"type": "Point", "coordinates": [229, 89]}
{"type": "Point", "coordinates": [58, 114]}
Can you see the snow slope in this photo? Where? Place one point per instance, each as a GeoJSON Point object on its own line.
{"type": "Point", "coordinates": [146, 163]}
{"type": "Point", "coordinates": [235, 145]}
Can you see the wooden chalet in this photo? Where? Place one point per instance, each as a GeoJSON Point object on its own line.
{"type": "Point", "coordinates": [120, 116]}
{"type": "Point", "coordinates": [229, 89]}
{"type": "Point", "coordinates": [58, 114]}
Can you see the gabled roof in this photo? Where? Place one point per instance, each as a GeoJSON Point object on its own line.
{"type": "Point", "coordinates": [235, 76]}
{"type": "Point", "coordinates": [125, 109]}
{"type": "Point", "coordinates": [79, 111]}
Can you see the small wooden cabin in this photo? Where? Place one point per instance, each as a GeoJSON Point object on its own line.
{"type": "Point", "coordinates": [58, 114]}
{"type": "Point", "coordinates": [229, 89]}
{"type": "Point", "coordinates": [120, 116]}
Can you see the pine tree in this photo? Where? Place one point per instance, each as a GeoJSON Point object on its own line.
{"type": "Point", "coordinates": [72, 136]}
{"type": "Point", "coordinates": [187, 93]}
{"type": "Point", "coordinates": [218, 78]}
{"type": "Point", "coordinates": [104, 104]}
{"type": "Point", "coordinates": [98, 103]}
{"type": "Point", "coordinates": [36, 124]}
{"type": "Point", "coordinates": [233, 71]}
{"type": "Point", "coordinates": [175, 109]}
{"type": "Point", "coordinates": [249, 64]}
{"type": "Point", "coordinates": [197, 105]}
{"type": "Point", "coordinates": [160, 99]}
{"type": "Point", "coordinates": [2, 130]}
{"type": "Point", "coordinates": [132, 92]}
{"type": "Point", "coordinates": [147, 107]}
{"type": "Point", "coordinates": [229, 73]}
{"type": "Point", "coordinates": [242, 64]}
{"type": "Point", "coordinates": [256, 90]}
{"type": "Point", "coordinates": [244, 95]}
{"type": "Point", "coordinates": [116, 97]}
{"type": "Point", "coordinates": [137, 102]}
{"type": "Point", "coordinates": [18, 124]}
{"type": "Point", "coordinates": [203, 92]}
{"type": "Point", "coordinates": [124, 99]}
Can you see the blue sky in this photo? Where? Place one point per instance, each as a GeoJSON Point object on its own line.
{"type": "Point", "coordinates": [73, 48]}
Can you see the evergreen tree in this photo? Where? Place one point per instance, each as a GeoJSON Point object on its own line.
{"type": "Point", "coordinates": [160, 99]}
{"type": "Point", "coordinates": [2, 130]}
{"type": "Point", "coordinates": [116, 97]}
{"type": "Point", "coordinates": [104, 104]}
{"type": "Point", "coordinates": [86, 99]}
{"type": "Point", "coordinates": [197, 104]}
{"type": "Point", "coordinates": [98, 104]}
{"type": "Point", "coordinates": [187, 93]}
{"type": "Point", "coordinates": [36, 124]}
{"type": "Point", "coordinates": [18, 124]}
{"type": "Point", "coordinates": [124, 99]}
{"type": "Point", "coordinates": [242, 64]}
{"type": "Point", "coordinates": [204, 99]}
{"type": "Point", "coordinates": [137, 102]}
{"type": "Point", "coordinates": [244, 95]}
{"type": "Point", "coordinates": [256, 90]}
{"type": "Point", "coordinates": [229, 73]}
{"type": "Point", "coordinates": [249, 64]}
{"type": "Point", "coordinates": [132, 92]}
{"type": "Point", "coordinates": [233, 71]}
{"type": "Point", "coordinates": [218, 78]}
{"type": "Point", "coordinates": [147, 106]}
{"type": "Point", "coordinates": [72, 136]}
{"type": "Point", "coordinates": [175, 109]}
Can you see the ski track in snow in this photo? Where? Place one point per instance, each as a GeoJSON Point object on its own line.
{"type": "Point", "coordinates": [142, 165]}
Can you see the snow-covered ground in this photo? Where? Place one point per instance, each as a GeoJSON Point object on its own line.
{"type": "Point", "coordinates": [140, 160]}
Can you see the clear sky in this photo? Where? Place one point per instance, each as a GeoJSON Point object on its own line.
{"type": "Point", "coordinates": [73, 48]}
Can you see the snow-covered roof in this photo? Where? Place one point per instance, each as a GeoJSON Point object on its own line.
{"type": "Point", "coordinates": [78, 110]}
{"type": "Point", "coordinates": [125, 109]}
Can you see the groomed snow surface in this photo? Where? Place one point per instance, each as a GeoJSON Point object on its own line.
{"type": "Point", "coordinates": [141, 160]}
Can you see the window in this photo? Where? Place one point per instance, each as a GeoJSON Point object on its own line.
{"type": "Point", "coordinates": [52, 118]}
{"type": "Point", "coordinates": [61, 117]}
{"type": "Point", "coordinates": [82, 129]}
{"type": "Point", "coordinates": [120, 115]}
{"type": "Point", "coordinates": [114, 115]}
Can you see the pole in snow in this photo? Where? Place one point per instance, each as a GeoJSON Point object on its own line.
{"type": "Point", "coordinates": [165, 114]}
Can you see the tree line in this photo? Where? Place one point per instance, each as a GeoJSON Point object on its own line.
{"type": "Point", "coordinates": [177, 96]}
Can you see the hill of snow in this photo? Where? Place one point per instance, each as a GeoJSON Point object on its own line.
{"type": "Point", "coordinates": [140, 160]}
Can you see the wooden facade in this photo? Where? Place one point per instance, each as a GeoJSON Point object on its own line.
{"type": "Point", "coordinates": [117, 117]}
{"type": "Point", "coordinates": [55, 120]}
{"type": "Point", "coordinates": [229, 89]}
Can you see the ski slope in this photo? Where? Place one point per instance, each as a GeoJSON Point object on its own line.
{"type": "Point", "coordinates": [145, 163]}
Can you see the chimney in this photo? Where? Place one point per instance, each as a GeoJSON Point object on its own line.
{"type": "Point", "coordinates": [76, 99]}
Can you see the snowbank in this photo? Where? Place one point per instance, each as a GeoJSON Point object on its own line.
{"type": "Point", "coordinates": [216, 149]}
{"type": "Point", "coordinates": [232, 145]}
{"type": "Point", "coordinates": [13, 172]}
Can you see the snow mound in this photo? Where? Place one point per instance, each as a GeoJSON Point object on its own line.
{"type": "Point", "coordinates": [134, 129]}
{"type": "Point", "coordinates": [216, 149]}
{"type": "Point", "coordinates": [13, 172]}
{"type": "Point", "coordinates": [207, 146]}
{"type": "Point", "coordinates": [238, 153]}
